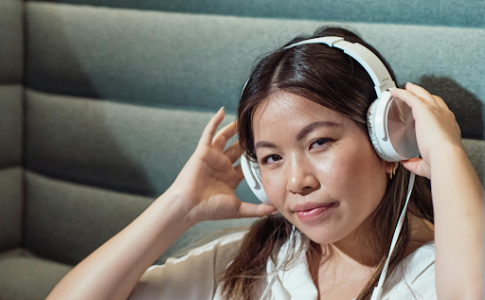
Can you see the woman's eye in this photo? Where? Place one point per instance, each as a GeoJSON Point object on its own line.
{"type": "Point", "coordinates": [319, 143]}
{"type": "Point", "coordinates": [270, 159]}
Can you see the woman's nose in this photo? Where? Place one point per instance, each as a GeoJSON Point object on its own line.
{"type": "Point", "coordinates": [302, 180]}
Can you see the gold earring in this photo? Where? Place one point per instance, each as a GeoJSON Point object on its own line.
{"type": "Point", "coordinates": [392, 167]}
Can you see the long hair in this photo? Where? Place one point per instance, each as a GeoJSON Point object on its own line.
{"type": "Point", "coordinates": [334, 80]}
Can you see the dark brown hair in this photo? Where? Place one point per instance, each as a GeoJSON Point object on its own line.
{"type": "Point", "coordinates": [335, 80]}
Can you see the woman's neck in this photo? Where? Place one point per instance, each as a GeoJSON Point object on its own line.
{"type": "Point", "coordinates": [356, 252]}
{"type": "Point", "coordinates": [354, 257]}
{"type": "Point", "coordinates": [357, 249]}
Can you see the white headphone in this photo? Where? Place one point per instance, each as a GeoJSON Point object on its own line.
{"type": "Point", "coordinates": [390, 121]}
{"type": "Point", "coordinates": [390, 124]}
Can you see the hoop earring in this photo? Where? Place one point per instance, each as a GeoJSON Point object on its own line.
{"type": "Point", "coordinates": [392, 167]}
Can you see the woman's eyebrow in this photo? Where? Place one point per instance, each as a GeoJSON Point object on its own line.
{"type": "Point", "coordinates": [264, 144]}
{"type": "Point", "coordinates": [310, 127]}
{"type": "Point", "coordinates": [306, 130]}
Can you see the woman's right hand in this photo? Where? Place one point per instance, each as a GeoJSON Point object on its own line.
{"type": "Point", "coordinates": [207, 183]}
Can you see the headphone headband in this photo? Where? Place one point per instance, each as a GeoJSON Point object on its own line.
{"type": "Point", "coordinates": [371, 63]}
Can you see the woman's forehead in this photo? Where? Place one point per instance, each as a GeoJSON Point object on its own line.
{"type": "Point", "coordinates": [285, 107]}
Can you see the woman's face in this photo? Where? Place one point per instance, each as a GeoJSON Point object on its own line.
{"type": "Point", "coordinates": [318, 167]}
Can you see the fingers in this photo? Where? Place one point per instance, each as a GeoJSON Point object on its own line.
{"type": "Point", "coordinates": [424, 94]}
{"type": "Point", "coordinates": [221, 138]}
{"type": "Point", "coordinates": [210, 128]}
{"type": "Point", "coordinates": [411, 99]}
{"type": "Point", "coordinates": [234, 152]}
{"type": "Point", "coordinates": [237, 178]}
{"type": "Point", "coordinates": [238, 171]}
{"type": "Point", "coordinates": [411, 164]}
{"type": "Point", "coordinates": [440, 102]}
{"type": "Point", "coordinates": [418, 166]}
{"type": "Point", "coordinates": [414, 95]}
{"type": "Point", "coordinates": [249, 210]}
{"type": "Point", "coordinates": [420, 92]}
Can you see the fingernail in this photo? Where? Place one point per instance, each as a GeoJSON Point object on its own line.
{"type": "Point", "coordinates": [222, 108]}
{"type": "Point", "coordinates": [275, 212]}
{"type": "Point", "coordinates": [409, 83]}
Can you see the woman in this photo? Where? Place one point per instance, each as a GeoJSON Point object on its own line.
{"type": "Point", "coordinates": [338, 201]}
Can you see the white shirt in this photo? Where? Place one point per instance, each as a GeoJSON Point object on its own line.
{"type": "Point", "coordinates": [196, 276]}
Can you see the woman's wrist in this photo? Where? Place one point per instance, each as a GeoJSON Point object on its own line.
{"type": "Point", "coordinates": [444, 154]}
{"type": "Point", "coordinates": [454, 177]}
{"type": "Point", "coordinates": [177, 206]}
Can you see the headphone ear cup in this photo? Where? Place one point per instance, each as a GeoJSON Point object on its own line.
{"type": "Point", "coordinates": [371, 128]}
{"type": "Point", "coordinates": [252, 175]}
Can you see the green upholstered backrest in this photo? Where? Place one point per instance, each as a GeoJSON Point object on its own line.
{"type": "Point", "coordinates": [11, 73]}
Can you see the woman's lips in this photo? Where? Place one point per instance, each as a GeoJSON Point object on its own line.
{"type": "Point", "coordinates": [309, 206]}
{"type": "Point", "coordinates": [310, 212]}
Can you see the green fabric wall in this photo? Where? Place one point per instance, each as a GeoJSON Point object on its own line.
{"type": "Point", "coordinates": [200, 62]}
{"type": "Point", "coordinates": [11, 121]}
{"type": "Point", "coordinates": [454, 13]}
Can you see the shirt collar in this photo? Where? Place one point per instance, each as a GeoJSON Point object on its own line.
{"type": "Point", "coordinates": [296, 281]}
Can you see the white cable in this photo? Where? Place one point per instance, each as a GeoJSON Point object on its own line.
{"type": "Point", "coordinates": [376, 294]}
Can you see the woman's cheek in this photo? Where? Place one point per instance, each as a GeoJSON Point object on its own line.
{"type": "Point", "coordinates": [332, 172]}
{"type": "Point", "coordinates": [275, 188]}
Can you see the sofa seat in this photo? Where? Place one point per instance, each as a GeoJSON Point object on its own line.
{"type": "Point", "coordinates": [25, 276]}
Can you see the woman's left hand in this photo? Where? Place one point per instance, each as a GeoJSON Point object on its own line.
{"type": "Point", "coordinates": [436, 126]}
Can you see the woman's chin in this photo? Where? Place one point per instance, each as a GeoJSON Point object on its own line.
{"type": "Point", "coordinates": [321, 237]}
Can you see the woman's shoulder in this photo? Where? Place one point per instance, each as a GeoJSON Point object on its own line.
{"type": "Point", "coordinates": [220, 247]}
{"type": "Point", "coordinates": [220, 251]}
{"type": "Point", "coordinates": [228, 241]}
{"type": "Point", "coordinates": [191, 276]}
